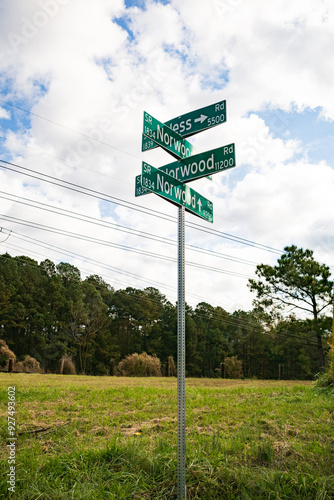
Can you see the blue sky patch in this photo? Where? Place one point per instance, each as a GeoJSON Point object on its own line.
{"type": "Point", "coordinates": [215, 80]}
{"type": "Point", "coordinates": [107, 209]}
{"type": "Point", "coordinates": [142, 3]}
{"type": "Point", "coordinates": [107, 64]}
{"type": "Point", "coordinates": [316, 134]}
{"type": "Point", "coordinates": [123, 22]}
{"type": "Point", "coordinates": [19, 120]}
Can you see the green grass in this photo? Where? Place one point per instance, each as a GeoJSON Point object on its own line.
{"type": "Point", "coordinates": [244, 439]}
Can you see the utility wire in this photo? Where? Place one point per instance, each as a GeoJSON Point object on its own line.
{"type": "Point", "coordinates": [238, 322]}
{"type": "Point", "coordinates": [71, 254]}
{"type": "Point", "coordinates": [139, 208]}
{"type": "Point", "coordinates": [117, 227]}
{"type": "Point", "coordinates": [235, 322]}
{"type": "Point", "coordinates": [231, 237]}
{"type": "Point", "coordinates": [67, 128]}
{"type": "Point", "coordinates": [146, 253]}
{"type": "Point", "coordinates": [2, 231]}
{"type": "Point", "coordinates": [192, 225]}
{"type": "Point", "coordinates": [106, 268]}
{"type": "Point", "coordinates": [84, 190]}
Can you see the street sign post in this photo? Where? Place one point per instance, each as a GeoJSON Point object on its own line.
{"type": "Point", "coordinates": [193, 122]}
{"type": "Point", "coordinates": [173, 190]}
{"type": "Point", "coordinates": [165, 137]}
{"type": "Point", "coordinates": [169, 182]}
{"type": "Point", "coordinates": [196, 166]}
{"type": "Point", "coordinates": [181, 361]}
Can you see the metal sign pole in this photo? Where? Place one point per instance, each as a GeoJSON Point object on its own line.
{"type": "Point", "coordinates": [332, 353]}
{"type": "Point", "coordinates": [181, 396]}
{"type": "Point", "coordinates": [172, 188]}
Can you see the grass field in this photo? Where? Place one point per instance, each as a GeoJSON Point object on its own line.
{"type": "Point", "coordinates": [115, 438]}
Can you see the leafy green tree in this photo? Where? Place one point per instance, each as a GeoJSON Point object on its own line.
{"type": "Point", "coordinates": [128, 316]}
{"type": "Point", "coordinates": [297, 282]}
{"type": "Point", "coordinates": [55, 311]}
{"type": "Point", "coordinates": [48, 267]}
{"type": "Point", "coordinates": [295, 346]}
{"type": "Point", "coordinates": [6, 293]}
{"type": "Point", "coordinates": [28, 305]}
{"type": "Point", "coordinates": [69, 274]}
{"type": "Point", "coordinates": [89, 317]}
{"type": "Point", "coordinates": [193, 353]}
{"type": "Point", "coordinates": [211, 323]}
{"type": "Point", "coordinates": [106, 291]}
{"type": "Point", "coordinates": [104, 350]}
{"type": "Point", "coordinates": [136, 320]}
{"type": "Point", "coordinates": [12, 314]}
{"type": "Point", "coordinates": [168, 328]}
{"type": "Point", "coordinates": [250, 343]}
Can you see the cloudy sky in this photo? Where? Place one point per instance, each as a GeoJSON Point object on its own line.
{"type": "Point", "coordinates": [75, 79]}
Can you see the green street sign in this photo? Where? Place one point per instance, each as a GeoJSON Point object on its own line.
{"type": "Point", "coordinates": [173, 190]}
{"type": "Point", "coordinates": [197, 166]}
{"type": "Point", "coordinates": [165, 137]}
{"type": "Point", "coordinates": [139, 189]}
{"type": "Point", "coordinates": [193, 122]}
{"type": "Point", "coordinates": [202, 164]}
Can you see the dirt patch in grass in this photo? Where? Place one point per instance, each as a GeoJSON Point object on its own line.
{"type": "Point", "coordinates": [208, 429]}
{"type": "Point", "coordinates": [100, 431]}
{"type": "Point", "coordinates": [155, 423]}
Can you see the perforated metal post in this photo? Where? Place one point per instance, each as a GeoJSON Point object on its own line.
{"type": "Point", "coordinates": [181, 358]}
{"type": "Point", "coordinates": [332, 354]}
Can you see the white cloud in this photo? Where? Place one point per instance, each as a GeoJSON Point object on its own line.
{"type": "Point", "coordinates": [73, 64]}
{"type": "Point", "coordinates": [4, 114]}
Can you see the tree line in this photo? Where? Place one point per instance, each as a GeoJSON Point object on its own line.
{"type": "Point", "coordinates": [48, 311]}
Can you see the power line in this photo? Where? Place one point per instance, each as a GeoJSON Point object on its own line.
{"type": "Point", "coordinates": [73, 254]}
{"type": "Point", "coordinates": [117, 227]}
{"type": "Point", "coordinates": [192, 225]}
{"type": "Point", "coordinates": [214, 316]}
{"type": "Point", "coordinates": [91, 239]}
{"type": "Point", "coordinates": [68, 128]}
{"type": "Point", "coordinates": [197, 227]}
{"type": "Point", "coordinates": [85, 218]}
{"type": "Point", "coordinates": [84, 190]}
{"type": "Point", "coordinates": [8, 235]}
{"type": "Point", "coordinates": [119, 271]}
{"type": "Point", "coordinates": [133, 206]}
{"type": "Point", "coordinates": [79, 236]}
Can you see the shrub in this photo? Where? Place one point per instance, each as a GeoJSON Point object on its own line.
{"type": "Point", "coordinates": [67, 366]}
{"type": "Point", "coordinates": [171, 367]}
{"type": "Point", "coordinates": [325, 382]}
{"type": "Point", "coordinates": [28, 365]}
{"type": "Point", "coordinates": [233, 367]}
{"type": "Point", "coordinates": [5, 355]}
{"type": "Point", "coordinates": [139, 365]}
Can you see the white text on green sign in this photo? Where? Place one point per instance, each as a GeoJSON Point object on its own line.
{"type": "Point", "coordinates": [173, 190]}
{"type": "Point", "coordinates": [165, 137]}
{"type": "Point", "coordinates": [193, 122]}
{"type": "Point", "coordinates": [202, 164]}
{"type": "Point", "coordinates": [197, 166]}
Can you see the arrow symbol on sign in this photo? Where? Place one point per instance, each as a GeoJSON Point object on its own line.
{"type": "Point", "coordinates": [200, 119]}
{"type": "Point", "coordinates": [199, 205]}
